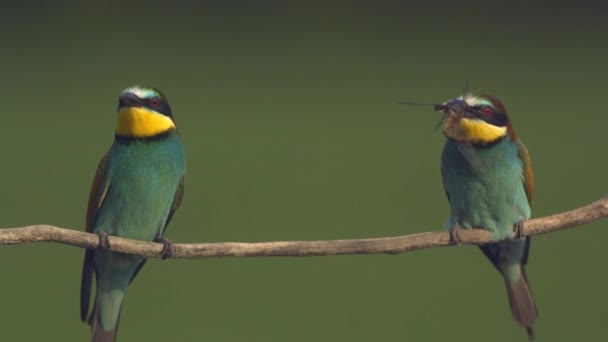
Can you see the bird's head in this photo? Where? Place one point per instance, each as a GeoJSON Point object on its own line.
{"type": "Point", "coordinates": [143, 112]}
{"type": "Point", "coordinates": [475, 118]}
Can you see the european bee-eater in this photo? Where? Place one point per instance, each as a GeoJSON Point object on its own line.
{"type": "Point", "coordinates": [487, 176]}
{"type": "Point", "coordinates": [137, 188]}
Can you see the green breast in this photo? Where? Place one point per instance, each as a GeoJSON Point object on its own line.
{"type": "Point", "coordinates": [484, 185]}
{"type": "Point", "coordinates": [143, 176]}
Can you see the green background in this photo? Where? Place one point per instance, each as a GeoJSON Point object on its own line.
{"type": "Point", "coordinates": [288, 113]}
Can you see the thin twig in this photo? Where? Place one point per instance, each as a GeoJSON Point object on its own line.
{"type": "Point", "coordinates": [389, 245]}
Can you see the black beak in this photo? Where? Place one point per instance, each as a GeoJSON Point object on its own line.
{"type": "Point", "coordinates": [441, 108]}
{"type": "Point", "coordinates": [456, 106]}
{"type": "Point", "coordinates": [128, 100]}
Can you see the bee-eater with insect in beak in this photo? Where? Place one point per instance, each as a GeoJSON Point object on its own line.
{"type": "Point", "coordinates": [487, 176]}
{"type": "Point", "coordinates": [137, 188]}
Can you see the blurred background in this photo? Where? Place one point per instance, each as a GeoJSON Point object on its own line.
{"type": "Point", "coordinates": [288, 113]}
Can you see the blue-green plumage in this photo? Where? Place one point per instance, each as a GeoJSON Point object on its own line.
{"type": "Point", "coordinates": [487, 177]}
{"type": "Point", "coordinates": [138, 187]}
{"type": "Point", "coordinates": [485, 186]}
{"type": "Point", "coordinates": [144, 175]}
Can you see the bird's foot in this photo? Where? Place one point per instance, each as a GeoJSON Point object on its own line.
{"type": "Point", "coordinates": [455, 236]}
{"type": "Point", "coordinates": [167, 244]}
{"type": "Point", "coordinates": [518, 229]}
{"type": "Point", "coordinates": [104, 241]}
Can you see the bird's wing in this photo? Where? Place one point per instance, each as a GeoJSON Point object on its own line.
{"type": "Point", "coordinates": [177, 201]}
{"type": "Point", "coordinates": [528, 176]}
{"type": "Point", "coordinates": [99, 189]}
{"type": "Point", "coordinates": [528, 181]}
{"type": "Point", "coordinates": [443, 176]}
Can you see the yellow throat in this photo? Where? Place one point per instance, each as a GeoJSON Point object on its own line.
{"type": "Point", "coordinates": [140, 122]}
{"type": "Point", "coordinates": [473, 130]}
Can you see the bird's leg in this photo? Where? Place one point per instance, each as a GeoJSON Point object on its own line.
{"type": "Point", "coordinates": [167, 244]}
{"type": "Point", "coordinates": [104, 241]}
{"type": "Point", "coordinates": [518, 229]}
{"type": "Point", "coordinates": [454, 235]}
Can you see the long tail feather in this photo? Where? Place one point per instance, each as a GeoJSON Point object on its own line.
{"type": "Point", "coordinates": [105, 317]}
{"type": "Point", "coordinates": [522, 303]}
{"type": "Point", "coordinates": [97, 332]}
{"type": "Point", "coordinates": [85, 284]}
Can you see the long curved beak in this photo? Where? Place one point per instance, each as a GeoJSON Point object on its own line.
{"type": "Point", "coordinates": [456, 106]}
{"type": "Point", "coordinates": [128, 100]}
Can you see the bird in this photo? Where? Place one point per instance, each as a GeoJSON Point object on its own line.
{"type": "Point", "coordinates": [138, 186]}
{"type": "Point", "coordinates": [487, 176]}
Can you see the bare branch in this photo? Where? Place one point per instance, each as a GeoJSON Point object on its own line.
{"type": "Point", "coordinates": [389, 245]}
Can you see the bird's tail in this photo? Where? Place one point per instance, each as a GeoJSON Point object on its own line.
{"type": "Point", "coordinates": [522, 303]}
{"type": "Point", "coordinates": [106, 316]}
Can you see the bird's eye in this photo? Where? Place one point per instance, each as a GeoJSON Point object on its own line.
{"type": "Point", "coordinates": [487, 110]}
{"type": "Point", "coordinates": [154, 102]}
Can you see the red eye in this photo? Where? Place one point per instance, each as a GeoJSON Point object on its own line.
{"type": "Point", "coordinates": [487, 110]}
{"type": "Point", "coordinates": [154, 102]}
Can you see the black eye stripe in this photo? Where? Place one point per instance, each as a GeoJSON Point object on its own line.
{"type": "Point", "coordinates": [495, 118]}
{"type": "Point", "coordinates": [155, 102]}
{"type": "Point", "coordinates": [161, 107]}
